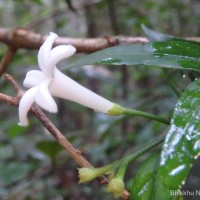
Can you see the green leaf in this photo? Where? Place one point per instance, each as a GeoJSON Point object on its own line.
{"type": "Point", "coordinates": [154, 35]}
{"type": "Point", "coordinates": [143, 183]}
{"type": "Point", "coordinates": [157, 36]}
{"type": "Point", "coordinates": [50, 148]}
{"type": "Point", "coordinates": [182, 143]}
{"type": "Point", "coordinates": [169, 54]}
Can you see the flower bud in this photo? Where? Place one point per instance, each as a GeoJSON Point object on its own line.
{"type": "Point", "coordinates": [87, 174]}
{"type": "Point", "coordinates": [116, 187]}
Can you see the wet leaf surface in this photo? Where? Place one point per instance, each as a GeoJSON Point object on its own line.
{"type": "Point", "coordinates": [168, 54]}
{"type": "Point", "coordinates": [182, 143]}
{"type": "Point", "coordinates": [143, 183]}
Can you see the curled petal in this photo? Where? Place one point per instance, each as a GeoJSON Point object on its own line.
{"type": "Point", "coordinates": [45, 50]}
{"type": "Point", "coordinates": [57, 54]}
{"type": "Point", "coordinates": [25, 105]}
{"type": "Point", "coordinates": [44, 99]}
{"type": "Point", "coordinates": [33, 78]}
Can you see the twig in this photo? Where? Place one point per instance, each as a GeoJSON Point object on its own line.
{"type": "Point", "coordinates": [22, 38]}
{"type": "Point", "coordinates": [62, 140]}
{"type": "Point", "coordinates": [7, 59]}
{"type": "Point", "coordinates": [18, 89]}
{"type": "Point", "coordinates": [14, 101]}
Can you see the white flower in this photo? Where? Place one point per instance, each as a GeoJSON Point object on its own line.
{"type": "Point", "coordinates": [49, 81]}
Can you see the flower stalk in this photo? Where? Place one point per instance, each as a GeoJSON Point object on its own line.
{"type": "Point", "coordinates": [130, 158]}
{"type": "Point", "coordinates": [119, 110]}
{"type": "Point", "coordinates": [115, 170]}
{"type": "Point", "coordinates": [87, 174]}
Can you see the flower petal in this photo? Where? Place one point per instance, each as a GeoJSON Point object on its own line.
{"type": "Point", "coordinates": [44, 99]}
{"type": "Point", "coordinates": [45, 50]}
{"type": "Point", "coordinates": [57, 54]}
{"type": "Point", "coordinates": [64, 87]}
{"type": "Point", "coordinates": [25, 104]}
{"type": "Point", "coordinates": [33, 78]}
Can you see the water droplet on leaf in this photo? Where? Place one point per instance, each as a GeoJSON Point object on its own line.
{"type": "Point", "coordinates": [177, 170]}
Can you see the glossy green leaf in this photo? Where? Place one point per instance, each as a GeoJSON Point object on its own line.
{"type": "Point", "coordinates": [143, 183]}
{"type": "Point", "coordinates": [50, 148]}
{"type": "Point", "coordinates": [169, 54]}
{"type": "Point", "coordinates": [182, 143]}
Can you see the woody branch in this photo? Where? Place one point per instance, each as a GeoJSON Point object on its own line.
{"type": "Point", "coordinates": [22, 38]}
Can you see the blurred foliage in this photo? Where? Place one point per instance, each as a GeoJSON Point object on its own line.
{"type": "Point", "coordinates": [31, 167]}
